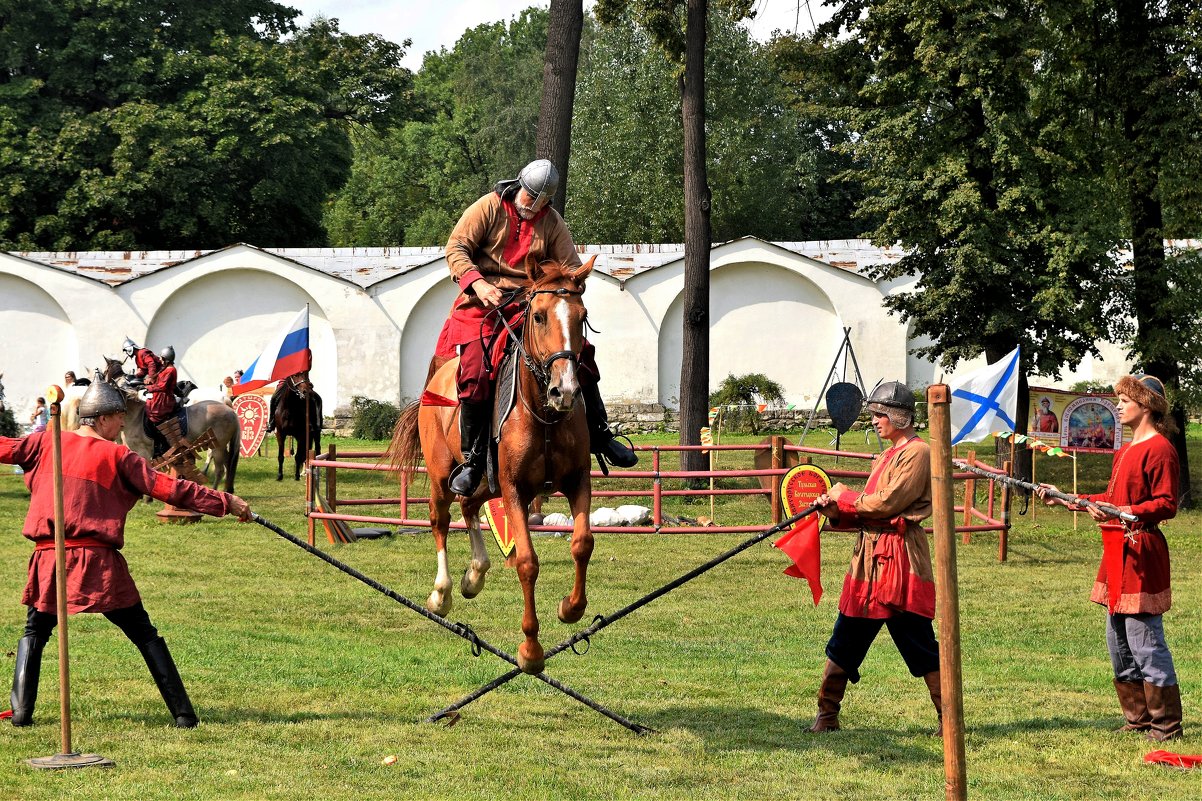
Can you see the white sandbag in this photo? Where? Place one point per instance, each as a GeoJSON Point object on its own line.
{"type": "Point", "coordinates": [633, 515]}
{"type": "Point", "coordinates": [604, 516]}
{"type": "Point", "coordinates": [557, 519]}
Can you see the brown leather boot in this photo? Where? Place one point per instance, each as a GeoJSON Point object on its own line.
{"type": "Point", "coordinates": [1164, 705]}
{"type": "Point", "coordinates": [830, 698]}
{"type": "Point", "coordinates": [935, 688]}
{"type": "Point", "coordinates": [1135, 705]}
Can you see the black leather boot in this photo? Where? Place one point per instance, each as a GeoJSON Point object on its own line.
{"type": "Point", "coordinates": [601, 439]}
{"type": "Point", "coordinates": [25, 679]}
{"type": "Point", "coordinates": [473, 441]}
{"type": "Point", "coordinates": [171, 686]}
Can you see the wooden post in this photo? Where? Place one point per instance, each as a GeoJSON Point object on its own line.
{"type": "Point", "coordinates": [1003, 540]}
{"type": "Point", "coordinates": [1075, 490]}
{"type": "Point", "coordinates": [948, 593]}
{"type": "Point", "coordinates": [1034, 502]}
{"type": "Point", "coordinates": [778, 461]}
{"type": "Point", "coordinates": [332, 478]}
{"type": "Point", "coordinates": [970, 497]}
{"type": "Point", "coordinates": [657, 491]}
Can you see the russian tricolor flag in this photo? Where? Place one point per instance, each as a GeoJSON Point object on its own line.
{"type": "Point", "coordinates": [287, 354]}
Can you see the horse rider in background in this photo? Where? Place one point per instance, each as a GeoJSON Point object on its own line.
{"type": "Point", "coordinates": [161, 404]}
{"type": "Point", "coordinates": [487, 253]}
{"type": "Point", "coordinates": [146, 364]}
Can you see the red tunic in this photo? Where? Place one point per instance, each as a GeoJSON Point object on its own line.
{"type": "Point", "coordinates": [162, 395]}
{"type": "Point", "coordinates": [102, 481]}
{"type": "Point", "coordinates": [1144, 477]}
{"type": "Point", "coordinates": [147, 364]}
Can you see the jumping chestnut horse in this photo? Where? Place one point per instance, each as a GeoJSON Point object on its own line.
{"type": "Point", "coordinates": [544, 442]}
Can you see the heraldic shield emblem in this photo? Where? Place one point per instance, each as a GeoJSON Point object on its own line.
{"type": "Point", "coordinates": [252, 411]}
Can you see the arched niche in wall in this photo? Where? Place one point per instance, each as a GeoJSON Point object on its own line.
{"type": "Point", "coordinates": [221, 322]}
{"type": "Point", "coordinates": [39, 344]}
{"type": "Point", "coordinates": [420, 335]}
{"type": "Point", "coordinates": [763, 319]}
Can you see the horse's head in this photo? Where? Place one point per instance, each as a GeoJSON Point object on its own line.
{"type": "Point", "coordinates": [300, 384]}
{"type": "Point", "coordinates": [554, 327]}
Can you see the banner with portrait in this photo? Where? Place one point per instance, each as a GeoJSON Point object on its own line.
{"type": "Point", "coordinates": [1081, 421]}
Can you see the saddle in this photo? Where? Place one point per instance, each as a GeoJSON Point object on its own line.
{"type": "Point", "coordinates": [504, 398]}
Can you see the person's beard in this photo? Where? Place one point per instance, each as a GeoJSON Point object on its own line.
{"type": "Point", "coordinates": [525, 212]}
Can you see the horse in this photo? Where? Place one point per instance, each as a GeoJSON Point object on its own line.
{"type": "Point", "coordinates": [214, 415]}
{"type": "Point", "coordinates": [543, 446]}
{"type": "Point", "coordinates": [289, 414]}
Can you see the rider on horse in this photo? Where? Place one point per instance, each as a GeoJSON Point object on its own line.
{"type": "Point", "coordinates": [146, 364]}
{"type": "Point", "coordinates": [161, 404]}
{"type": "Point", "coordinates": [486, 253]}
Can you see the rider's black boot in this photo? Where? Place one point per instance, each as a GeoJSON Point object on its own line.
{"type": "Point", "coordinates": [473, 438]}
{"type": "Point", "coordinates": [601, 439]}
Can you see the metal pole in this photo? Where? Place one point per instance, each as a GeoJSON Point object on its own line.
{"type": "Point", "coordinates": [939, 409]}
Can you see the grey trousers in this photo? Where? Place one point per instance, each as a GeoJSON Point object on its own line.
{"type": "Point", "coordinates": [1138, 650]}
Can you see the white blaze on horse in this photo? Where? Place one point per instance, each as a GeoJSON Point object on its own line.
{"type": "Point", "coordinates": [544, 443]}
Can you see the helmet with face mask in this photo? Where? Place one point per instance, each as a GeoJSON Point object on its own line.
{"type": "Point", "coordinates": [128, 346]}
{"type": "Point", "coordinates": [540, 179]}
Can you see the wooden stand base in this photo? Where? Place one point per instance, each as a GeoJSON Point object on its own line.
{"type": "Point", "coordinates": [170, 514]}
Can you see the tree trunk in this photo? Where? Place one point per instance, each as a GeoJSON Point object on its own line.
{"type": "Point", "coordinates": [554, 137]}
{"type": "Point", "coordinates": [695, 356]}
{"type": "Point", "coordinates": [1151, 277]}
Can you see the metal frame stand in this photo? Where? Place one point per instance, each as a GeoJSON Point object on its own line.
{"type": "Point", "coordinates": [845, 352]}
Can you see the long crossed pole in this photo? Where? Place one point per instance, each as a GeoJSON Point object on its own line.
{"type": "Point", "coordinates": [458, 629]}
{"type": "Point", "coordinates": [600, 622]}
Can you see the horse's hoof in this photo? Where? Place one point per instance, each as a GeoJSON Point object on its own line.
{"type": "Point", "coordinates": [279, 477]}
{"type": "Point", "coordinates": [530, 665]}
{"type": "Point", "coordinates": [566, 613]}
{"type": "Point", "coordinates": [470, 588]}
{"type": "Point", "coordinates": [439, 603]}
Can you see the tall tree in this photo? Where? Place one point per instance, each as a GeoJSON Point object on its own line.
{"type": "Point", "coordinates": [559, 89]}
{"type": "Point", "coordinates": [978, 170]}
{"type": "Point", "coordinates": [686, 44]}
{"type": "Point", "coordinates": [137, 124]}
{"type": "Point", "coordinates": [1148, 60]}
{"type": "Point", "coordinates": [477, 113]}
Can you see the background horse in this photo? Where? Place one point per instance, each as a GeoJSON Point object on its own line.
{"type": "Point", "coordinates": [288, 404]}
{"type": "Point", "coordinates": [203, 415]}
{"type": "Point", "coordinates": [544, 441]}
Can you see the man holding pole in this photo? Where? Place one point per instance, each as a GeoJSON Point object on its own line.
{"type": "Point", "coordinates": [890, 582]}
{"type": "Point", "coordinates": [101, 481]}
{"type": "Point", "coordinates": [1133, 579]}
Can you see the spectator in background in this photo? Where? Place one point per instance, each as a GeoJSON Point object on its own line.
{"type": "Point", "coordinates": [40, 417]}
{"type": "Point", "coordinates": [69, 380]}
{"type": "Point", "coordinates": [227, 391]}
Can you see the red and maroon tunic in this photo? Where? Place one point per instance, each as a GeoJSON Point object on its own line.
{"type": "Point", "coordinates": [102, 481]}
{"type": "Point", "coordinates": [147, 364]}
{"type": "Point", "coordinates": [1144, 477]}
{"type": "Point", "coordinates": [162, 395]}
{"type": "Point", "coordinates": [890, 568]}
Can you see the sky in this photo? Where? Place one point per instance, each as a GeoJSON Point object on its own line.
{"type": "Point", "coordinates": [432, 24]}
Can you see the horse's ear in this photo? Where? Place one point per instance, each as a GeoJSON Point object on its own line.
{"type": "Point", "coordinates": [534, 269]}
{"type": "Point", "coordinates": [583, 271]}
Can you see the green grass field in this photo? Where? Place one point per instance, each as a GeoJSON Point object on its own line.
{"type": "Point", "coordinates": [306, 680]}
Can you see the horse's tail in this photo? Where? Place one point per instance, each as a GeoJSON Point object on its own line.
{"type": "Point", "coordinates": [405, 450]}
{"type": "Point", "coordinates": [235, 453]}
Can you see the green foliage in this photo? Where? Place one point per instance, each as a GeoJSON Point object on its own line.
{"type": "Point", "coordinates": [477, 115]}
{"type": "Point", "coordinates": [626, 177]}
{"type": "Point", "coordinates": [131, 124]}
{"type": "Point", "coordinates": [974, 165]}
{"type": "Point", "coordinates": [373, 419]}
{"type": "Point", "coordinates": [8, 423]}
{"type": "Point", "coordinates": [744, 393]}
{"type": "Point", "coordinates": [1093, 387]}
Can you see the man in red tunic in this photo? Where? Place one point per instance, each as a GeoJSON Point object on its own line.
{"type": "Point", "coordinates": [890, 582]}
{"type": "Point", "coordinates": [1133, 579]}
{"type": "Point", "coordinates": [487, 254]}
{"type": "Point", "coordinates": [102, 480]}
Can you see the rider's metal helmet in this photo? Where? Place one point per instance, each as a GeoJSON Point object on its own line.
{"type": "Point", "coordinates": [168, 355]}
{"type": "Point", "coordinates": [540, 179]}
{"type": "Point", "coordinates": [128, 346]}
{"type": "Point", "coordinates": [895, 400]}
{"type": "Point", "coordinates": [101, 398]}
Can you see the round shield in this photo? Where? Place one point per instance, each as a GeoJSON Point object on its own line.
{"type": "Point", "coordinates": [843, 404]}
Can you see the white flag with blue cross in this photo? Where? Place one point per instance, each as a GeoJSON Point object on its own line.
{"type": "Point", "coordinates": [986, 402]}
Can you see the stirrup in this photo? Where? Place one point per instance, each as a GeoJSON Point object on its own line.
{"type": "Point", "coordinates": [464, 468]}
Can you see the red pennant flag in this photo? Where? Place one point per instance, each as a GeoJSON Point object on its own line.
{"type": "Point", "coordinates": [1172, 760]}
{"type": "Point", "coordinates": [1114, 537]}
{"type": "Point", "coordinates": [802, 544]}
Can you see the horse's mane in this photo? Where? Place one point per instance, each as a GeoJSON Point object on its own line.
{"type": "Point", "coordinates": [553, 273]}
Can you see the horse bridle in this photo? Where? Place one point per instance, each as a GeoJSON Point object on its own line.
{"type": "Point", "coordinates": [295, 385]}
{"type": "Point", "coordinates": [541, 370]}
